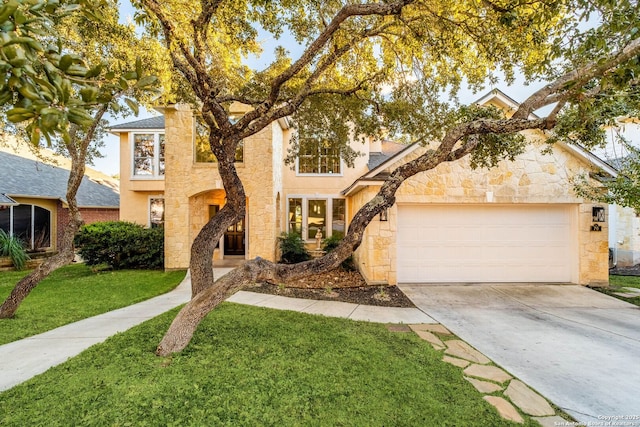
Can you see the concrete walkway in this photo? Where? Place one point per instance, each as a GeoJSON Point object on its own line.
{"type": "Point", "coordinates": [24, 359]}
{"type": "Point", "coordinates": [575, 346]}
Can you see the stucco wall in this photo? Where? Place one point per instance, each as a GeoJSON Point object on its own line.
{"type": "Point", "coordinates": [626, 239]}
{"type": "Point", "coordinates": [532, 178]}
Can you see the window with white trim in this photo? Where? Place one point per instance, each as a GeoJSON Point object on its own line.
{"type": "Point", "coordinates": [148, 155]}
{"type": "Point", "coordinates": [202, 149]}
{"type": "Point", "coordinates": [306, 215]}
{"type": "Point", "coordinates": [320, 159]}
{"type": "Point", "coordinates": [29, 223]}
{"type": "Point", "coordinates": [156, 212]}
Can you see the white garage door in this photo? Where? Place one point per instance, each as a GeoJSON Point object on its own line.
{"type": "Point", "coordinates": [485, 244]}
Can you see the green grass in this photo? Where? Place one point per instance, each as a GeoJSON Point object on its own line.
{"type": "Point", "coordinates": [250, 366]}
{"type": "Point", "coordinates": [624, 281]}
{"type": "Point", "coordinates": [617, 282]}
{"type": "Point", "coordinates": [75, 292]}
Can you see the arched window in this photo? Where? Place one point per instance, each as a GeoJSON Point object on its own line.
{"type": "Point", "coordinates": [29, 223]}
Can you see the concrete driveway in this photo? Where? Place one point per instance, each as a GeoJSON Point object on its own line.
{"type": "Point", "coordinates": [577, 347]}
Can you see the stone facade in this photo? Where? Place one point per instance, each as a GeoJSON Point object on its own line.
{"type": "Point", "coordinates": [190, 188]}
{"type": "Point", "coordinates": [533, 178]}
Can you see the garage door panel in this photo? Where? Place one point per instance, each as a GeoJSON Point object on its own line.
{"type": "Point", "coordinates": [484, 244]}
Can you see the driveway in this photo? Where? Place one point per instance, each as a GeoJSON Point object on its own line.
{"type": "Point", "coordinates": [577, 347]}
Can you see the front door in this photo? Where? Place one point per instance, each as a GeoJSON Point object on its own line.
{"type": "Point", "coordinates": [234, 239]}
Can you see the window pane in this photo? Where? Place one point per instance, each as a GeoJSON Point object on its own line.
{"type": "Point", "coordinates": [202, 149]}
{"type": "Point", "coordinates": [318, 159]}
{"type": "Point", "coordinates": [5, 217]}
{"type": "Point", "coordinates": [143, 147]}
{"type": "Point", "coordinates": [22, 223]}
{"type": "Point", "coordinates": [161, 159]}
{"type": "Point", "coordinates": [240, 152]}
{"type": "Point", "coordinates": [338, 218]}
{"type": "Point", "coordinates": [295, 216]}
{"type": "Point", "coordinates": [156, 212]}
{"type": "Point", "coordinates": [41, 228]}
{"type": "Point", "coordinates": [316, 218]}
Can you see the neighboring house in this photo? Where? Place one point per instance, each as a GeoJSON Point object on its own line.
{"type": "Point", "coordinates": [518, 222]}
{"type": "Point", "coordinates": [624, 224]}
{"type": "Point", "coordinates": [33, 191]}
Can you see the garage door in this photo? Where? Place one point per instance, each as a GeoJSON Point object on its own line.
{"type": "Point", "coordinates": [484, 244]}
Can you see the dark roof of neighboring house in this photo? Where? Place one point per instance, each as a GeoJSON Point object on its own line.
{"type": "Point", "coordinates": [389, 149]}
{"type": "Point", "coordinates": [150, 123]}
{"type": "Point", "coordinates": [6, 200]}
{"type": "Point", "coordinates": [20, 176]}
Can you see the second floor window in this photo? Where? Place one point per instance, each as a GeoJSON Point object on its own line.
{"type": "Point", "coordinates": [148, 154]}
{"type": "Point", "coordinates": [202, 149]}
{"type": "Point", "coordinates": [319, 159]}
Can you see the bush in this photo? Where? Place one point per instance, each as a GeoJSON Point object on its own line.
{"type": "Point", "coordinates": [330, 243]}
{"type": "Point", "coordinates": [121, 245]}
{"type": "Point", "coordinates": [12, 247]}
{"type": "Point", "coordinates": [292, 249]}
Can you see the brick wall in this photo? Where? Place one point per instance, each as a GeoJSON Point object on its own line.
{"type": "Point", "coordinates": [89, 216]}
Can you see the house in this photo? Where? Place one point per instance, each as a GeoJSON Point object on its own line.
{"type": "Point", "coordinates": [33, 189]}
{"type": "Point", "coordinates": [518, 222]}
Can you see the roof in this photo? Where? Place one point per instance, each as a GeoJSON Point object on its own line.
{"type": "Point", "coordinates": [382, 162]}
{"type": "Point", "coordinates": [7, 201]}
{"type": "Point", "coordinates": [23, 177]}
{"type": "Point", "coordinates": [150, 123]}
{"type": "Point", "coordinates": [389, 149]}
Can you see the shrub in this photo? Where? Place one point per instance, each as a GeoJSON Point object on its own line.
{"type": "Point", "coordinates": [12, 247]}
{"type": "Point", "coordinates": [330, 243]}
{"type": "Point", "coordinates": [292, 249]}
{"type": "Point", "coordinates": [121, 245]}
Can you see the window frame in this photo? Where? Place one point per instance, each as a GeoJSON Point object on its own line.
{"type": "Point", "coordinates": [319, 159]}
{"type": "Point", "coordinates": [239, 154]}
{"type": "Point", "coordinates": [150, 224]}
{"type": "Point", "coordinates": [158, 155]}
{"type": "Point", "coordinates": [32, 214]}
{"type": "Point", "coordinates": [305, 199]}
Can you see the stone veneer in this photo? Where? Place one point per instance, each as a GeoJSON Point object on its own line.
{"type": "Point", "coordinates": [190, 188]}
{"type": "Point", "coordinates": [532, 178]}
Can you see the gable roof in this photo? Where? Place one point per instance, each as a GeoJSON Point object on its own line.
{"type": "Point", "coordinates": [152, 123]}
{"type": "Point", "coordinates": [23, 177]}
{"type": "Point", "coordinates": [500, 98]}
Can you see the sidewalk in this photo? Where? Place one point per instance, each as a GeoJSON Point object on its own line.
{"type": "Point", "coordinates": [24, 359]}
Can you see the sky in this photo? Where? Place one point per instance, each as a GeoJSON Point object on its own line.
{"type": "Point", "coordinates": [109, 164]}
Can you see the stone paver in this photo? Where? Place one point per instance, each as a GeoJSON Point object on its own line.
{"type": "Point", "coordinates": [527, 400]}
{"type": "Point", "coordinates": [632, 290]}
{"type": "Point", "coordinates": [460, 363]}
{"type": "Point", "coordinates": [431, 338]}
{"type": "Point", "coordinates": [398, 328]}
{"type": "Point", "coordinates": [554, 421]}
{"type": "Point", "coordinates": [483, 386]}
{"type": "Point", "coordinates": [505, 409]}
{"type": "Point", "coordinates": [463, 350]}
{"type": "Point", "coordinates": [626, 294]}
{"type": "Point", "coordinates": [435, 328]}
{"type": "Point", "coordinates": [488, 372]}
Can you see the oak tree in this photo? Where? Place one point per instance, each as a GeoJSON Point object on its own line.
{"type": "Point", "coordinates": [63, 67]}
{"type": "Point", "coordinates": [370, 66]}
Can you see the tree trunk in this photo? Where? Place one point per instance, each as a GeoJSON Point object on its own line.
{"type": "Point", "coordinates": [201, 261]}
{"type": "Point", "coordinates": [184, 325]}
{"type": "Point", "coordinates": [78, 153]}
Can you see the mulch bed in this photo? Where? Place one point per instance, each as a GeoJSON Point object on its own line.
{"type": "Point", "coordinates": [337, 285]}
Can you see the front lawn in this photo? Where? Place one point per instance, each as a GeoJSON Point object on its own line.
{"type": "Point", "coordinates": [616, 283]}
{"type": "Point", "coordinates": [250, 366]}
{"type": "Point", "coordinates": [75, 292]}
